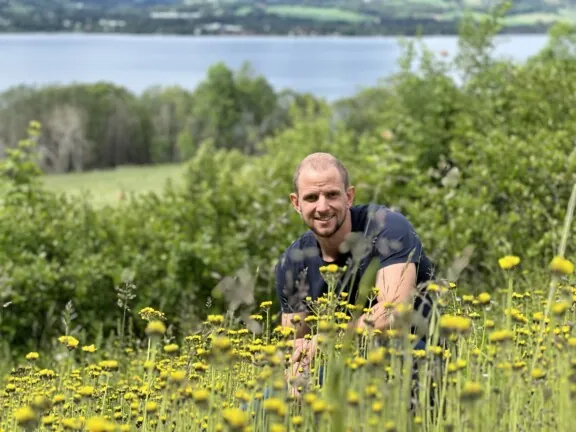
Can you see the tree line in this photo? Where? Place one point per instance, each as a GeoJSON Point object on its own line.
{"type": "Point", "coordinates": [102, 125]}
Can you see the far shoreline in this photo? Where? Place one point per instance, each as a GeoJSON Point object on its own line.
{"type": "Point", "coordinates": [252, 36]}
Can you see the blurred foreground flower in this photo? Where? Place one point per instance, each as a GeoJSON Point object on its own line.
{"type": "Point", "coordinates": [70, 341]}
{"type": "Point", "coordinates": [562, 266]}
{"type": "Point", "coordinates": [155, 328]}
{"type": "Point", "coordinates": [509, 261]}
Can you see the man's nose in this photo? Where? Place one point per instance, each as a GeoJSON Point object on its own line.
{"type": "Point", "coordinates": [322, 204]}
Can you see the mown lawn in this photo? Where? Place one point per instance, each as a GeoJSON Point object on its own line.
{"type": "Point", "coordinates": [105, 187]}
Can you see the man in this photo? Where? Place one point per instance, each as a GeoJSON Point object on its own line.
{"type": "Point", "coordinates": [344, 234]}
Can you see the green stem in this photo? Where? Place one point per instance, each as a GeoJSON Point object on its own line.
{"type": "Point", "coordinates": [509, 302]}
{"type": "Point", "coordinates": [567, 222]}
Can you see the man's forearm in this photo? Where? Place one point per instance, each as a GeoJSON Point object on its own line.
{"type": "Point", "coordinates": [379, 318]}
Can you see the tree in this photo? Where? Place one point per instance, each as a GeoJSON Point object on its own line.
{"type": "Point", "coordinates": [217, 110]}
{"type": "Point", "coordinates": [67, 145]}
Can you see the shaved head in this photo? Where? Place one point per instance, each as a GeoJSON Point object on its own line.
{"type": "Point", "coordinates": [320, 162]}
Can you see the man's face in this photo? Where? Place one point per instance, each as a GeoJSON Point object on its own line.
{"type": "Point", "coordinates": [322, 200]}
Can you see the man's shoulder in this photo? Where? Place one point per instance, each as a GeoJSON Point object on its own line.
{"type": "Point", "coordinates": [374, 219]}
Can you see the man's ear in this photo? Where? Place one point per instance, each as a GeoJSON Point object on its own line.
{"type": "Point", "coordinates": [350, 194]}
{"type": "Point", "coordinates": [294, 201]}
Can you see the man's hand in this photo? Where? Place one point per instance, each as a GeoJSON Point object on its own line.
{"type": "Point", "coordinates": [304, 352]}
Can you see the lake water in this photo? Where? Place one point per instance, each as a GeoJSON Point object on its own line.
{"type": "Point", "coordinates": [330, 67]}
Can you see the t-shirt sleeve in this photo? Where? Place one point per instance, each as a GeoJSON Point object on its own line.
{"type": "Point", "coordinates": [289, 285]}
{"type": "Point", "coordinates": [283, 289]}
{"type": "Point", "coordinates": [397, 242]}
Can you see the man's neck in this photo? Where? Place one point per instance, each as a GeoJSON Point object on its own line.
{"type": "Point", "coordinates": [330, 247]}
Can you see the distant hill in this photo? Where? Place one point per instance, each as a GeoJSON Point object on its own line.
{"type": "Point", "coordinates": [348, 17]}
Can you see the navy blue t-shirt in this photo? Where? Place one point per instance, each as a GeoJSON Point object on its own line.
{"type": "Point", "coordinates": [377, 232]}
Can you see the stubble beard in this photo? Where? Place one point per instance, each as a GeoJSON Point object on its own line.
{"type": "Point", "coordinates": [329, 234]}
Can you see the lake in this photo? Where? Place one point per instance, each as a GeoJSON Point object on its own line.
{"type": "Point", "coordinates": [330, 67]}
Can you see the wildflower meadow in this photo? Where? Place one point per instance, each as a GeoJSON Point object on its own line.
{"type": "Point", "coordinates": [493, 361]}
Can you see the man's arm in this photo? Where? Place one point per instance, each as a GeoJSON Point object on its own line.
{"type": "Point", "coordinates": [395, 284]}
{"type": "Point", "coordinates": [398, 249]}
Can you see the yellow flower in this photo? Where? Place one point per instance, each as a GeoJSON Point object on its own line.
{"type": "Point", "coordinates": [201, 395]}
{"type": "Point", "coordinates": [215, 319]}
{"type": "Point", "coordinates": [25, 415]}
{"type": "Point", "coordinates": [151, 406]}
{"type": "Point", "coordinates": [376, 356]}
{"type": "Point", "coordinates": [41, 403]}
{"type": "Point", "coordinates": [331, 268]}
{"type": "Point", "coordinates": [72, 423]}
{"type": "Point", "coordinates": [501, 336]}
{"type": "Point", "coordinates": [509, 261]}
{"type": "Point", "coordinates": [389, 426]}
{"type": "Point", "coordinates": [471, 391]}
{"type": "Point", "coordinates": [319, 406]}
{"type": "Point", "coordinates": [49, 420]}
{"type": "Point", "coordinates": [99, 424]}
{"type": "Point", "coordinates": [377, 406]}
{"type": "Point", "coordinates": [58, 399]}
{"type": "Point", "coordinates": [483, 298]}
{"type": "Point", "coordinates": [561, 265]}
{"type": "Point", "coordinates": [275, 405]}
{"type": "Point", "coordinates": [265, 304]}
{"type": "Point", "coordinates": [108, 365]}
{"type": "Point", "coordinates": [297, 420]}
{"type": "Point", "coordinates": [560, 307]}
{"type": "Point", "coordinates": [86, 391]}
{"type": "Point", "coordinates": [32, 356]}
{"type": "Point", "coordinates": [455, 324]}
{"type": "Point", "coordinates": [538, 373]}
{"type": "Point", "coordinates": [353, 398]}
{"type": "Point", "coordinates": [178, 376]}
{"type": "Point", "coordinates": [155, 328]}
{"type": "Point", "coordinates": [89, 348]}
{"type": "Point", "coordinates": [70, 341]}
{"type": "Point", "coordinates": [222, 343]}
{"type": "Point", "coordinates": [171, 348]}
{"type": "Point", "coordinates": [150, 314]}
{"type": "Point", "coordinates": [235, 418]}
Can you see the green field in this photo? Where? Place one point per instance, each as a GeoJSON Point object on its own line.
{"type": "Point", "coordinates": [316, 13]}
{"type": "Point", "coordinates": [534, 18]}
{"type": "Point", "coordinates": [415, 8]}
{"type": "Point", "coordinates": [106, 187]}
